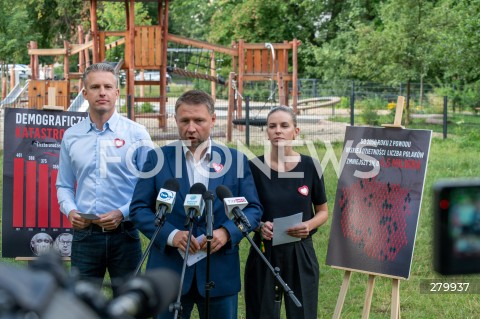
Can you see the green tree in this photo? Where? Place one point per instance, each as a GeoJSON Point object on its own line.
{"type": "Point", "coordinates": [191, 18]}
{"type": "Point", "coordinates": [16, 30]}
{"type": "Point", "coordinates": [57, 20]}
{"type": "Point", "coordinates": [267, 21]}
{"type": "Point", "coordinates": [400, 49]}
{"type": "Point", "coordinates": [458, 40]}
{"type": "Point", "coordinates": [264, 21]}
{"type": "Point", "coordinates": [112, 15]}
{"type": "Point", "coordinates": [327, 56]}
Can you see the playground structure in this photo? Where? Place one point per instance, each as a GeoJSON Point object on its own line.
{"type": "Point", "coordinates": [145, 48]}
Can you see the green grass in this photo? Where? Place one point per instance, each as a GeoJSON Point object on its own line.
{"type": "Point", "coordinates": [454, 157]}
{"type": "Point", "coordinates": [448, 158]}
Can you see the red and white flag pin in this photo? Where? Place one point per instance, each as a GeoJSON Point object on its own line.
{"type": "Point", "coordinates": [303, 190]}
{"type": "Point", "coordinates": [217, 167]}
{"type": "Point", "coordinates": [118, 142]}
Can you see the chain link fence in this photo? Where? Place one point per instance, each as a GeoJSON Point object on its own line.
{"type": "Point", "coordinates": [324, 109]}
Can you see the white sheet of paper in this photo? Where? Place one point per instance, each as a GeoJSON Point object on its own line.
{"type": "Point", "coordinates": [280, 226]}
{"type": "Point", "coordinates": [194, 258]}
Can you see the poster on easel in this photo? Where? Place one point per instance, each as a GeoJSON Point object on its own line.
{"type": "Point", "coordinates": [31, 219]}
{"type": "Point", "coordinates": [378, 200]}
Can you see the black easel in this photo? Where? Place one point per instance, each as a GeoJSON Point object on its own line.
{"type": "Point", "coordinates": [177, 306]}
{"type": "Point", "coordinates": [208, 198]}
{"type": "Point", "coordinates": [159, 221]}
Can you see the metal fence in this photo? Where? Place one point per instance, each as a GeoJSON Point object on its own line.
{"type": "Point", "coordinates": [324, 109]}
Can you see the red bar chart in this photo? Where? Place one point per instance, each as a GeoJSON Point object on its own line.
{"type": "Point", "coordinates": [30, 169]}
{"type": "Point", "coordinates": [35, 202]}
{"type": "Point", "coordinates": [18, 187]}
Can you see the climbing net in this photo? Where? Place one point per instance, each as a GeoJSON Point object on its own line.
{"type": "Point", "coordinates": [190, 62]}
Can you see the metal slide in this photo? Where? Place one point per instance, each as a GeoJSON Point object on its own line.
{"type": "Point", "coordinates": [14, 96]}
{"type": "Point", "coordinates": [79, 104]}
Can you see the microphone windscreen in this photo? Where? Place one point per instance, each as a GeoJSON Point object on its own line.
{"type": "Point", "coordinates": [156, 289]}
{"type": "Point", "coordinates": [166, 284]}
{"type": "Point", "coordinates": [223, 192]}
{"type": "Point", "coordinates": [172, 185]}
{"type": "Point", "coordinates": [208, 195]}
{"type": "Point", "coordinates": [198, 188]}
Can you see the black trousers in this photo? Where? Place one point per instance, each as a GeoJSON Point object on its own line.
{"type": "Point", "coordinates": [298, 268]}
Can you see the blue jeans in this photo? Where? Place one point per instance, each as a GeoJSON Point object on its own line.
{"type": "Point", "coordinates": [94, 252]}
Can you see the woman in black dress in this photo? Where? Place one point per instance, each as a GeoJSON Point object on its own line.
{"type": "Point", "coordinates": [287, 183]}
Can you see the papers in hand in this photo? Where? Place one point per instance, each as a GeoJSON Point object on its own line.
{"type": "Point", "coordinates": [88, 216]}
{"type": "Point", "coordinates": [196, 257]}
{"type": "Point", "coordinates": [280, 226]}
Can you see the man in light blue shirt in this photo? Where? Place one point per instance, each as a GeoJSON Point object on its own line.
{"type": "Point", "coordinates": [100, 161]}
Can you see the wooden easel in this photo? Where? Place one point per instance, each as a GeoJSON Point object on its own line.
{"type": "Point", "coordinates": [398, 113]}
{"type": "Point", "coordinates": [395, 306]}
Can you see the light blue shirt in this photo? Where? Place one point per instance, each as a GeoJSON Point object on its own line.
{"type": "Point", "coordinates": [98, 169]}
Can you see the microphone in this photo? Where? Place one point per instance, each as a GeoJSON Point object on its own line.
{"type": "Point", "coordinates": [166, 198]}
{"type": "Point", "coordinates": [233, 205]}
{"type": "Point", "coordinates": [145, 296]}
{"type": "Point", "coordinates": [194, 203]}
{"type": "Point", "coordinates": [208, 198]}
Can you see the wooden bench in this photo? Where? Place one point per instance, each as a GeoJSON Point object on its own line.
{"type": "Point", "coordinates": [317, 102]}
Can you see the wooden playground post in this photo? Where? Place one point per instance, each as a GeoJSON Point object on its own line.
{"type": "Point", "coordinates": [66, 63]}
{"type": "Point", "coordinates": [131, 55]}
{"type": "Point", "coordinates": [4, 88]}
{"type": "Point", "coordinates": [94, 29]}
{"type": "Point", "coordinates": [240, 77]}
{"type": "Point", "coordinates": [163, 20]}
{"type": "Point", "coordinates": [86, 52]}
{"type": "Point", "coordinates": [231, 106]}
{"type": "Point", "coordinates": [81, 57]}
{"type": "Point", "coordinates": [213, 73]}
{"type": "Point", "coordinates": [12, 77]}
{"type": "Point", "coordinates": [33, 60]}
{"type": "Point", "coordinates": [282, 97]}
{"type": "Point", "coordinates": [295, 44]}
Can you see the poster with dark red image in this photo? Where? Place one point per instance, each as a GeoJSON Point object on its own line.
{"type": "Point", "coordinates": [378, 200]}
{"type": "Point", "coordinates": [31, 217]}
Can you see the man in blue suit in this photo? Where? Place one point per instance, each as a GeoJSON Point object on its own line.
{"type": "Point", "coordinates": [195, 158]}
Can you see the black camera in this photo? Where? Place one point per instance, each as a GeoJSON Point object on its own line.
{"type": "Point", "coordinates": [457, 227]}
{"type": "Point", "coordinates": [47, 291]}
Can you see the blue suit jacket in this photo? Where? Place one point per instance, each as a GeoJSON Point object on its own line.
{"type": "Point", "coordinates": [235, 175]}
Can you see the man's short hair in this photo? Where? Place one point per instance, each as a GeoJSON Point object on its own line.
{"type": "Point", "coordinates": [195, 97]}
{"type": "Point", "coordinates": [100, 67]}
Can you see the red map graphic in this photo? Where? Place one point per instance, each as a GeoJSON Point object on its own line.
{"type": "Point", "coordinates": [373, 216]}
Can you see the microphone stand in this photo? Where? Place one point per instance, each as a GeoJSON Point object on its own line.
{"type": "Point", "coordinates": [275, 271]}
{"type": "Point", "coordinates": [177, 306]}
{"type": "Point", "coordinates": [208, 284]}
{"type": "Point", "coordinates": [159, 221]}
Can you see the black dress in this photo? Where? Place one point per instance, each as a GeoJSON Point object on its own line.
{"type": "Point", "coordinates": [285, 194]}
